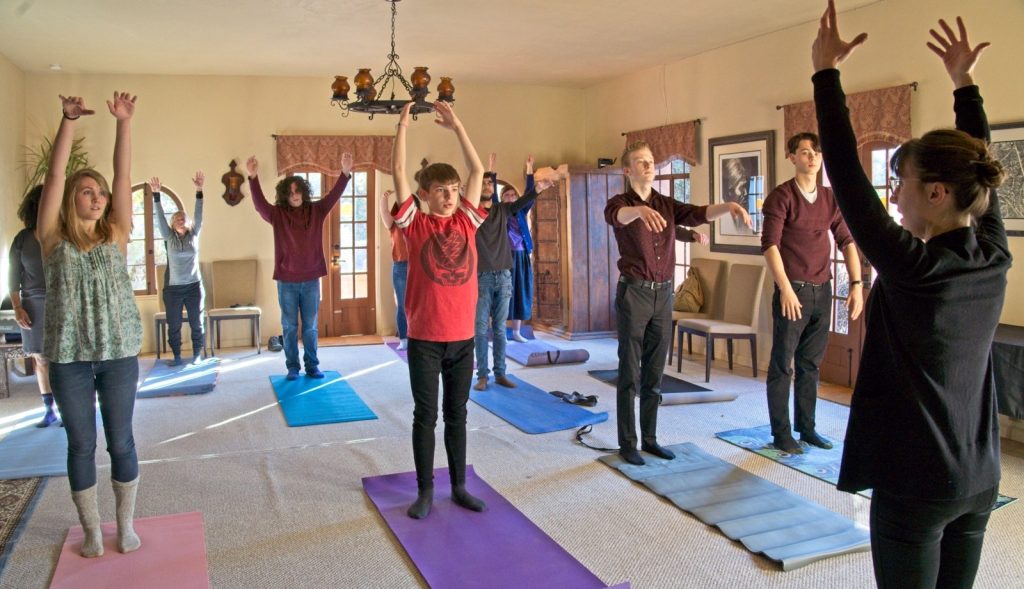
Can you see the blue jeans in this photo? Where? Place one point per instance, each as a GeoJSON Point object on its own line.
{"type": "Point", "coordinates": [400, 276]}
{"type": "Point", "coordinates": [494, 292]}
{"type": "Point", "coordinates": [299, 298]}
{"type": "Point", "coordinates": [76, 385]}
{"type": "Point", "coordinates": [189, 296]}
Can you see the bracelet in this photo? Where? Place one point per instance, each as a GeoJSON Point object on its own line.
{"type": "Point", "coordinates": [70, 118]}
{"type": "Point", "coordinates": [856, 282]}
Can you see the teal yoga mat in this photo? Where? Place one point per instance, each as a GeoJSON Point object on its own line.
{"type": "Point", "coordinates": [186, 379]}
{"type": "Point", "coordinates": [766, 518]}
{"type": "Point", "coordinates": [317, 401]}
{"type": "Point", "coordinates": [532, 410]}
{"type": "Point", "coordinates": [819, 463]}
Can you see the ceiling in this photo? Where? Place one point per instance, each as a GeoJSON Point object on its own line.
{"type": "Point", "coordinates": [572, 43]}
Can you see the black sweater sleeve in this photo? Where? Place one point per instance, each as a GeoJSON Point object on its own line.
{"type": "Point", "coordinates": [971, 119]}
{"type": "Point", "coordinates": [892, 250]}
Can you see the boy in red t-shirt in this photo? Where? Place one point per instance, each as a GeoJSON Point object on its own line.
{"type": "Point", "coordinates": [440, 304]}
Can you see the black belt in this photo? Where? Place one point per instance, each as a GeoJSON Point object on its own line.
{"type": "Point", "coordinates": [644, 283]}
{"type": "Point", "coordinates": [805, 283]}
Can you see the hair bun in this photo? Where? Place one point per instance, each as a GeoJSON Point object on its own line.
{"type": "Point", "coordinates": [989, 170]}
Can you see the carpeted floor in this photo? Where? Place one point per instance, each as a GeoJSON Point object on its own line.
{"type": "Point", "coordinates": [284, 507]}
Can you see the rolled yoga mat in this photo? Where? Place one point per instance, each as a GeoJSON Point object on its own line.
{"type": "Point", "coordinates": [173, 556]}
{"type": "Point", "coordinates": [454, 547]}
{"type": "Point", "coordinates": [817, 462]}
{"type": "Point", "coordinates": [532, 410]}
{"type": "Point", "coordinates": [763, 516]}
{"type": "Point", "coordinates": [538, 353]}
{"type": "Point", "coordinates": [674, 391]}
{"type": "Point", "coordinates": [186, 379]}
{"type": "Point", "coordinates": [316, 401]}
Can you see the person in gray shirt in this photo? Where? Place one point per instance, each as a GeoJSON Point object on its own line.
{"type": "Point", "coordinates": [183, 284]}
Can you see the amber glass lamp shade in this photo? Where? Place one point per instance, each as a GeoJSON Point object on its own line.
{"type": "Point", "coordinates": [445, 90]}
{"type": "Point", "coordinates": [364, 79]}
{"type": "Point", "coordinates": [420, 78]}
{"type": "Point", "coordinates": [340, 88]}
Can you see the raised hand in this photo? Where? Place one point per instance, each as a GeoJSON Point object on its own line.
{"type": "Point", "coordinates": [74, 107]}
{"type": "Point", "coordinates": [403, 119]}
{"type": "Point", "coordinates": [346, 163]}
{"type": "Point", "coordinates": [154, 184]}
{"type": "Point", "coordinates": [529, 164]}
{"type": "Point", "coordinates": [445, 115]}
{"type": "Point", "coordinates": [492, 160]}
{"type": "Point", "coordinates": [198, 180]}
{"type": "Point", "coordinates": [123, 106]}
{"type": "Point", "coordinates": [829, 50]}
{"type": "Point", "coordinates": [956, 54]}
{"type": "Point", "coordinates": [252, 166]}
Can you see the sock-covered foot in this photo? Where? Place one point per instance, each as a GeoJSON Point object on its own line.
{"type": "Point", "coordinates": [505, 382]}
{"type": "Point", "coordinates": [89, 517]}
{"type": "Point", "coordinates": [814, 439]}
{"type": "Point", "coordinates": [49, 419]}
{"type": "Point", "coordinates": [403, 344]}
{"type": "Point", "coordinates": [124, 497]}
{"type": "Point", "coordinates": [481, 384]}
{"type": "Point", "coordinates": [631, 456]}
{"type": "Point", "coordinates": [421, 507]}
{"type": "Point", "coordinates": [314, 373]}
{"type": "Point", "coordinates": [787, 444]}
{"type": "Point", "coordinates": [176, 361]}
{"type": "Point", "coordinates": [197, 359]}
{"type": "Point", "coordinates": [462, 498]}
{"type": "Point", "coordinates": [519, 337]}
{"type": "Point", "coordinates": [292, 374]}
{"type": "Point", "coordinates": [659, 451]}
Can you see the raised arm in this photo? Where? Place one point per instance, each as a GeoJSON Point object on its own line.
{"type": "Point", "coordinates": [264, 208]}
{"type": "Point", "coordinates": [332, 197]}
{"type": "Point", "coordinates": [152, 188]}
{"type": "Point", "coordinates": [446, 118]}
{"type": "Point", "coordinates": [123, 108]}
{"type": "Point", "coordinates": [48, 217]}
{"type": "Point", "coordinates": [402, 192]}
{"type": "Point", "coordinates": [384, 211]}
{"type": "Point", "coordinates": [197, 216]}
{"type": "Point", "coordinates": [492, 161]}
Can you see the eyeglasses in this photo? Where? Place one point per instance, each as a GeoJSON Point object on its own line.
{"type": "Point", "coordinates": [895, 183]}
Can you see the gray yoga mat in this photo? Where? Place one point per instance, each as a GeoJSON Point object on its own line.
{"type": "Point", "coordinates": [763, 516]}
{"type": "Point", "coordinates": [674, 391]}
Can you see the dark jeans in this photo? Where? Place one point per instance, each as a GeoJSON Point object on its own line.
{"type": "Point", "coordinates": [928, 544]}
{"type": "Point", "coordinates": [189, 296]}
{"type": "Point", "coordinates": [644, 322]}
{"type": "Point", "coordinates": [76, 386]}
{"type": "Point", "coordinates": [400, 277]}
{"type": "Point", "coordinates": [494, 291]}
{"type": "Point", "coordinates": [299, 299]}
{"type": "Point", "coordinates": [453, 361]}
{"type": "Point", "coordinates": [797, 348]}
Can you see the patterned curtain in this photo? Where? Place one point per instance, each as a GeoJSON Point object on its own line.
{"type": "Point", "coordinates": [876, 115]}
{"type": "Point", "coordinates": [678, 141]}
{"type": "Point", "coordinates": [323, 152]}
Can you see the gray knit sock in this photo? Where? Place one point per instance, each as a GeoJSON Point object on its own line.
{"type": "Point", "coordinates": [89, 517]}
{"type": "Point", "coordinates": [124, 495]}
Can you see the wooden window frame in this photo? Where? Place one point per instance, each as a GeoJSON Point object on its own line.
{"type": "Point", "coordinates": [151, 239]}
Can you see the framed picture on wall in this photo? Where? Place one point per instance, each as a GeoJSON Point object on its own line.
{"type": "Point", "coordinates": [1008, 148]}
{"type": "Point", "coordinates": [742, 168]}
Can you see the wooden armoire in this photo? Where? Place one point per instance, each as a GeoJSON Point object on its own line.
{"type": "Point", "coordinates": [575, 270]}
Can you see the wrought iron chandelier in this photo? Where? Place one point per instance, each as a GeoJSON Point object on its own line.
{"type": "Point", "coordinates": [369, 90]}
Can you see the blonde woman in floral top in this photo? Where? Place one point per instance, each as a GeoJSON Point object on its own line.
{"type": "Point", "coordinates": [92, 331]}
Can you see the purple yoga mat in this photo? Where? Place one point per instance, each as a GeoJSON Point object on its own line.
{"type": "Point", "coordinates": [458, 548]}
{"type": "Point", "coordinates": [403, 354]}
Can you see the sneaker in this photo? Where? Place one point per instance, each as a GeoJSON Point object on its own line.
{"type": "Point", "coordinates": [403, 344]}
{"type": "Point", "coordinates": [481, 384]}
{"type": "Point", "coordinates": [814, 439]}
{"type": "Point", "coordinates": [505, 382]}
{"type": "Point", "coordinates": [314, 373]}
{"type": "Point", "coordinates": [292, 374]}
{"type": "Point", "coordinates": [787, 444]}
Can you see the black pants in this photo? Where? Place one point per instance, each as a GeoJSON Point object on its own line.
{"type": "Point", "coordinates": [453, 362]}
{"type": "Point", "coordinates": [918, 544]}
{"type": "Point", "coordinates": [189, 296]}
{"type": "Point", "coordinates": [797, 349]}
{"type": "Point", "coordinates": [644, 323]}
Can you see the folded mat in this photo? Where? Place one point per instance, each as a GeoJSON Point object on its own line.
{"type": "Point", "coordinates": [532, 410]}
{"type": "Point", "coordinates": [186, 379]}
{"type": "Point", "coordinates": [173, 556]}
{"type": "Point", "coordinates": [454, 547]}
{"type": "Point", "coordinates": [538, 353]}
{"type": "Point", "coordinates": [316, 401]}
{"type": "Point", "coordinates": [817, 462]}
{"type": "Point", "coordinates": [763, 516]}
{"type": "Point", "coordinates": [674, 391]}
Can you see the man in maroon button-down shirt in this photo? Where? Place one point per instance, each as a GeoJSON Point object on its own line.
{"type": "Point", "coordinates": [644, 224]}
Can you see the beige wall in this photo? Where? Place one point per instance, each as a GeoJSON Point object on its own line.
{"type": "Point", "coordinates": [12, 136]}
{"type": "Point", "coordinates": [735, 90]}
{"type": "Point", "coordinates": [186, 123]}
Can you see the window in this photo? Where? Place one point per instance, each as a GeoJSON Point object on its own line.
{"type": "Point", "coordinates": [673, 180]}
{"type": "Point", "coordinates": [353, 245]}
{"type": "Point", "coordinates": [144, 255]}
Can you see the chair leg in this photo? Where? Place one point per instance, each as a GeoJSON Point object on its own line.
{"type": "Point", "coordinates": [156, 337]}
{"type": "Point", "coordinates": [671, 341]}
{"type": "Point", "coordinates": [728, 349]}
{"type": "Point", "coordinates": [689, 342]}
{"type": "Point", "coordinates": [753, 353]}
{"type": "Point", "coordinates": [710, 343]}
{"type": "Point", "coordinates": [679, 351]}
{"type": "Point", "coordinates": [259, 336]}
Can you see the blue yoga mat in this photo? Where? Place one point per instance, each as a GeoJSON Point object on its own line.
{"type": "Point", "coordinates": [316, 401]}
{"type": "Point", "coordinates": [34, 452]}
{"type": "Point", "coordinates": [187, 379]}
{"type": "Point", "coordinates": [533, 410]}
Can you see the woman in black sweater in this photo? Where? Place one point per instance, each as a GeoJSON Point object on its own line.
{"type": "Point", "coordinates": [923, 430]}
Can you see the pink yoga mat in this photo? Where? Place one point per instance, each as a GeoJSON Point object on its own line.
{"type": "Point", "coordinates": [173, 556]}
{"type": "Point", "coordinates": [454, 547]}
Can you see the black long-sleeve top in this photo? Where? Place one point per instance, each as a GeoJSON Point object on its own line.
{"type": "Point", "coordinates": [492, 246]}
{"type": "Point", "coordinates": [923, 420]}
